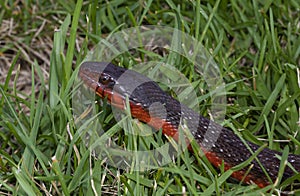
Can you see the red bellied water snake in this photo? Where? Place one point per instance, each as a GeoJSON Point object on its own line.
{"type": "Point", "coordinates": [107, 81]}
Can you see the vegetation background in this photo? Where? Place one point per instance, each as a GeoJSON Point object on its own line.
{"type": "Point", "coordinates": [255, 43]}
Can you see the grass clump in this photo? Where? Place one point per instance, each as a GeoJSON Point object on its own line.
{"type": "Point", "coordinates": [256, 47]}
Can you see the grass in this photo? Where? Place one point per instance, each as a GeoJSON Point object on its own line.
{"type": "Point", "coordinates": [255, 44]}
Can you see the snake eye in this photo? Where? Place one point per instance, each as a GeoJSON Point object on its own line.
{"type": "Point", "coordinates": [104, 79]}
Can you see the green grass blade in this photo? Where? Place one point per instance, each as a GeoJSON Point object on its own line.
{"type": "Point", "coordinates": [270, 102]}
{"type": "Point", "coordinates": [71, 47]}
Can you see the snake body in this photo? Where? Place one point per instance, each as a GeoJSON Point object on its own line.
{"type": "Point", "coordinates": [147, 99]}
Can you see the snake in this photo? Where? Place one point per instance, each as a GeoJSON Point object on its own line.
{"type": "Point", "coordinates": [150, 104]}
